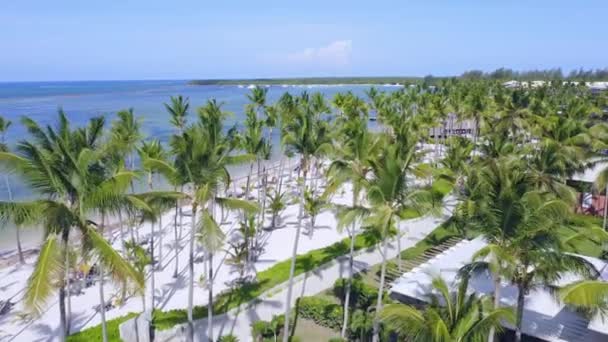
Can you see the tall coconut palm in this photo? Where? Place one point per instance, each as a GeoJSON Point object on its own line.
{"type": "Point", "coordinates": [125, 135]}
{"type": "Point", "coordinates": [65, 166]}
{"type": "Point", "coordinates": [477, 104]}
{"type": "Point", "coordinates": [202, 154]}
{"type": "Point", "coordinates": [521, 223]}
{"type": "Point", "coordinates": [355, 147]}
{"type": "Point", "coordinates": [178, 111]}
{"type": "Point", "coordinates": [451, 316]}
{"type": "Point", "coordinates": [392, 198]}
{"type": "Point", "coordinates": [306, 134]}
{"type": "Point", "coordinates": [153, 150]}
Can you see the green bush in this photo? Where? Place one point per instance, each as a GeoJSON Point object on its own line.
{"type": "Point", "coordinates": [337, 339]}
{"type": "Point", "coordinates": [228, 338]}
{"type": "Point", "coordinates": [362, 295]}
{"type": "Point", "coordinates": [259, 329]}
{"type": "Point", "coordinates": [361, 324]}
{"type": "Point", "coordinates": [268, 331]}
{"type": "Point", "coordinates": [322, 310]}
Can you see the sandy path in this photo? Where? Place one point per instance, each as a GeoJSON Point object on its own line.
{"type": "Point", "coordinates": [238, 321]}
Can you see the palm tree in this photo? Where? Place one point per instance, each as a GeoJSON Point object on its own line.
{"type": "Point", "coordinates": [313, 205]}
{"type": "Point", "coordinates": [202, 154]}
{"type": "Point", "coordinates": [276, 205]}
{"type": "Point", "coordinates": [306, 134]}
{"type": "Point", "coordinates": [449, 316]}
{"type": "Point", "coordinates": [66, 167]}
{"type": "Point", "coordinates": [498, 261]}
{"type": "Point", "coordinates": [178, 110]}
{"type": "Point", "coordinates": [153, 150]}
{"type": "Point", "coordinates": [392, 199]}
{"type": "Point", "coordinates": [253, 143]}
{"type": "Point", "coordinates": [477, 103]}
{"type": "Point", "coordinates": [4, 126]}
{"type": "Point", "coordinates": [125, 136]}
{"type": "Point", "coordinates": [457, 158]}
{"type": "Point", "coordinates": [521, 223]}
{"type": "Point", "coordinates": [354, 148]}
{"type": "Point", "coordinates": [21, 215]}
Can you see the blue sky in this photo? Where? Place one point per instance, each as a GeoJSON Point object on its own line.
{"type": "Point", "coordinates": [152, 39]}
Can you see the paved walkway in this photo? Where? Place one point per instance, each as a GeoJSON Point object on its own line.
{"type": "Point", "coordinates": [238, 321]}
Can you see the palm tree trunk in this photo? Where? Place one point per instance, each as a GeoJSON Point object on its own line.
{"type": "Point", "coordinates": [19, 250]}
{"type": "Point", "coordinates": [191, 274]}
{"type": "Point", "coordinates": [102, 302]}
{"type": "Point", "coordinates": [160, 240]}
{"type": "Point", "coordinates": [399, 249]}
{"type": "Point", "coordinates": [520, 311]}
{"type": "Point", "coordinates": [248, 186]}
{"type": "Point", "coordinates": [152, 270]}
{"type": "Point", "coordinates": [176, 242]}
{"type": "Point", "coordinates": [122, 234]}
{"type": "Point", "coordinates": [63, 326]}
{"type": "Point", "coordinates": [294, 253]}
{"type": "Point", "coordinates": [181, 217]}
{"type": "Point", "coordinates": [349, 282]}
{"type": "Point", "coordinates": [102, 306]}
{"type": "Point", "coordinates": [497, 282]}
{"type": "Point", "coordinates": [376, 336]}
{"type": "Point", "coordinates": [62, 319]}
{"type": "Point", "coordinates": [67, 289]}
{"type": "Point", "coordinates": [605, 206]}
{"type": "Point", "coordinates": [210, 304]}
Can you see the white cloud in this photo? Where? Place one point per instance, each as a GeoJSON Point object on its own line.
{"type": "Point", "coordinates": [337, 53]}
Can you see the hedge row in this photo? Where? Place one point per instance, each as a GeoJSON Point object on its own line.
{"type": "Point", "coordinates": [322, 310]}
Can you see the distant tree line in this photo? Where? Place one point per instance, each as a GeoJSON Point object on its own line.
{"type": "Point", "coordinates": [540, 74]}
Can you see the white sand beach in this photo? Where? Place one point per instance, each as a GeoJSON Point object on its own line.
{"type": "Point", "coordinates": [171, 293]}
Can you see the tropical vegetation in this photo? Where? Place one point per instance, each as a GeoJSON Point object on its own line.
{"type": "Point", "coordinates": [507, 152]}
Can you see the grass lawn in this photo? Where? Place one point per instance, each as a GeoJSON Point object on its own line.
{"type": "Point", "coordinates": [275, 275]}
{"type": "Point", "coordinates": [266, 280]}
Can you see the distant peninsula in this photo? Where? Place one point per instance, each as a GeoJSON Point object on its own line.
{"type": "Point", "coordinates": [310, 81]}
{"type": "Point", "coordinates": [501, 74]}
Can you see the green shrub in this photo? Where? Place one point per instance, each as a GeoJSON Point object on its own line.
{"type": "Point", "coordinates": [268, 331]}
{"type": "Point", "coordinates": [361, 324]}
{"type": "Point", "coordinates": [228, 338]}
{"type": "Point", "coordinates": [259, 329]}
{"type": "Point", "coordinates": [337, 339]}
{"type": "Point", "coordinates": [322, 310]}
{"type": "Point", "coordinates": [362, 295]}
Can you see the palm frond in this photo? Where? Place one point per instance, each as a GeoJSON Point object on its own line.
{"type": "Point", "coordinates": [248, 207]}
{"type": "Point", "coordinates": [119, 269]}
{"type": "Point", "coordinates": [46, 275]}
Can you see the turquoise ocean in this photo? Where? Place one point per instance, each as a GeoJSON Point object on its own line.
{"type": "Point", "coordinates": [83, 100]}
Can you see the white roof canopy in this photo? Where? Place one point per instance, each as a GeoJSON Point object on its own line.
{"type": "Point", "coordinates": [544, 317]}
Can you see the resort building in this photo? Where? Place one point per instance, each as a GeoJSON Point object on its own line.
{"type": "Point", "coordinates": [544, 317]}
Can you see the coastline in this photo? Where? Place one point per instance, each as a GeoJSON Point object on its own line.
{"type": "Point", "coordinates": [32, 240]}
